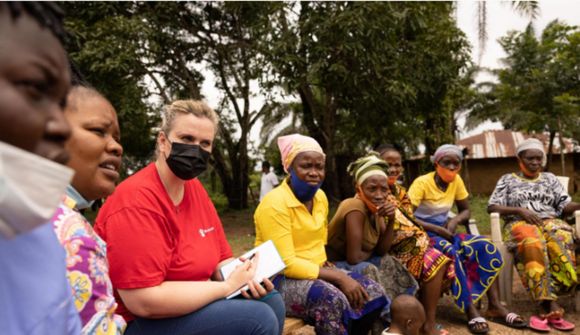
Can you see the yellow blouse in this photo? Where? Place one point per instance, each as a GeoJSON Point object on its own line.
{"type": "Point", "coordinates": [298, 235]}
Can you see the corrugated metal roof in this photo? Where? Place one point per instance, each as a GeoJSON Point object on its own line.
{"type": "Point", "coordinates": [503, 143]}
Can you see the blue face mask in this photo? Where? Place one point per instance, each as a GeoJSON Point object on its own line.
{"type": "Point", "coordinates": [80, 201]}
{"type": "Point", "coordinates": [302, 190]}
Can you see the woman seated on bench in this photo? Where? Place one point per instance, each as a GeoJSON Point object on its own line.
{"type": "Point", "coordinates": [294, 217]}
{"type": "Point", "coordinates": [531, 202]}
{"type": "Point", "coordinates": [166, 242]}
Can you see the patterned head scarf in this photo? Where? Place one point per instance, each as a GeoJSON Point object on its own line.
{"type": "Point", "coordinates": [532, 143]}
{"type": "Point", "coordinates": [445, 150]}
{"type": "Point", "coordinates": [367, 166]}
{"type": "Point", "coordinates": [292, 145]}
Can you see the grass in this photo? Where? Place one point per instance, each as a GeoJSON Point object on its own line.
{"type": "Point", "coordinates": [239, 229]}
{"type": "Point", "coordinates": [478, 207]}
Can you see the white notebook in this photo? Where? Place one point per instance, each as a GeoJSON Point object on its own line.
{"type": "Point", "coordinates": [270, 263]}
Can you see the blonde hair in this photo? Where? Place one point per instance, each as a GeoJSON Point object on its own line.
{"type": "Point", "coordinates": [195, 107]}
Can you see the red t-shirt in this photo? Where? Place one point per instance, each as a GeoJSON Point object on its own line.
{"type": "Point", "coordinates": [150, 240]}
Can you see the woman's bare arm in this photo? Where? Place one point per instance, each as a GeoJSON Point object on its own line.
{"type": "Point", "coordinates": [176, 298]}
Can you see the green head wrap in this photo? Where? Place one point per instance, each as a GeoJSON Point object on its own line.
{"type": "Point", "coordinates": [367, 166]}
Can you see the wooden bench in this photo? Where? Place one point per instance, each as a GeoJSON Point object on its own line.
{"type": "Point", "coordinates": [291, 325]}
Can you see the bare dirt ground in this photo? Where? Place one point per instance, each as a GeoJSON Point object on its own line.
{"type": "Point", "coordinates": [455, 322]}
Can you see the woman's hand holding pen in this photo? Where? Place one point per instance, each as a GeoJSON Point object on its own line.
{"type": "Point", "coordinates": [243, 273]}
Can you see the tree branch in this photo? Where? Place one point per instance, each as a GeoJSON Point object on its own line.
{"type": "Point", "coordinates": [162, 91]}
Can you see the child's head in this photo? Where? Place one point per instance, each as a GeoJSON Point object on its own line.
{"type": "Point", "coordinates": [407, 314]}
{"type": "Point", "coordinates": [34, 79]}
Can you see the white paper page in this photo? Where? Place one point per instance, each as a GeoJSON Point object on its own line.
{"type": "Point", "coordinates": [270, 263]}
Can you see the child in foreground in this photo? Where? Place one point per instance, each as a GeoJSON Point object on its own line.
{"type": "Point", "coordinates": [408, 316]}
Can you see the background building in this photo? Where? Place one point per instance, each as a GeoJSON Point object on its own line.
{"type": "Point", "coordinates": [493, 153]}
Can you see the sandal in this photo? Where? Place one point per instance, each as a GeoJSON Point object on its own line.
{"type": "Point", "coordinates": [561, 324]}
{"type": "Point", "coordinates": [473, 323]}
{"type": "Point", "coordinates": [539, 324]}
{"type": "Point", "coordinates": [556, 321]}
{"type": "Point", "coordinates": [511, 320]}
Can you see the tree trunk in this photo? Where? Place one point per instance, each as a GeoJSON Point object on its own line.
{"type": "Point", "coordinates": [220, 167]}
{"type": "Point", "coordinates": [234, 176]}
{"type": "Point", "coordinates": [550, 150]}
{"type": "Point", "coordinates": [331, 182]}
{"type": "Point", "coordinates": [320, 119]}
{"type": "Point", "coordinates": [235, 182]}
{"type": "Point", "coordinates": [329, 130]}
{"type": "Point", "coordinates": [562, 148]}
{"type": "Point", "coordinates": [237, 192]}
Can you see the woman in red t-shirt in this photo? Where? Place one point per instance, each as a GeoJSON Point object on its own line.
{"type": "Point", "coordinates": [166, 243]}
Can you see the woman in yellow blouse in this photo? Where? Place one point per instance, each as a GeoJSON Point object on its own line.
{"type": "Point", "coordinates": [294, 217]}
{"type": "Point", "coordinates": [476, 259]}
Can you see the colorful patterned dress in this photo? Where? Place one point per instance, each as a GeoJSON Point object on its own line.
{"type": "Point", "coordinates": [544, 255]}
{"type": "Point", "coordinates": [411, 244]}
{"type": "Point", "coordinates": [476, 259]}
{"type": "Point", "coordinates": [87, 271]}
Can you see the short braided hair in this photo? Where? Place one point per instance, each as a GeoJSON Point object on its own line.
{"type": "Point", "coordinates": [80, 88]}
{"type": "Point", "coordinates": [47, 14]}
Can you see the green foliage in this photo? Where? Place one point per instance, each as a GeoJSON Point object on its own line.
{"type": "Point", "coordinates": [105, 46]}
{"type": "Point", "coordinates": [370, 73]}
{"type": "Point", "coordinates": [212, 185]}
{"type": "Point", "coordinates": [134, 51]}
{"type": "Point", "coordinates": [539, 87]}
{"type": "Point", "coordinates": [363, 74]}
{"type": "Point", "coordinates": [220, 201]}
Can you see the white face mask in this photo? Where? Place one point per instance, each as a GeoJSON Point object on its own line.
{"type": "Point", "coordinates": [31, 187]}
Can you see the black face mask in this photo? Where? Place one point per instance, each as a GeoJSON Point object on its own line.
{"type": "Point", "coordinates": [187, 161]}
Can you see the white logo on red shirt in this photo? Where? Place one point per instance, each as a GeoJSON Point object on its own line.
{"type": "Point", "coordinates": [202, 232]}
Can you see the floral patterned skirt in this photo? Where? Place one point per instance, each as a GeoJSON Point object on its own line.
{"type": "Point", "coordinates": [323, 305]}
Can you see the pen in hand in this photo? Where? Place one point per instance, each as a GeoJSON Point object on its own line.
{"type": "Point", "coordinates": [252, 256]}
